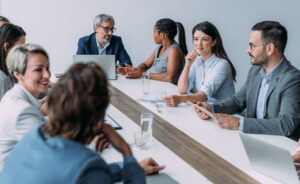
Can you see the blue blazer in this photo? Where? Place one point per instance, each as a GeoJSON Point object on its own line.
{"type": "Point", "coordinates": [39, 158]}
{"type": "Point", "coordinates": [88, 45]}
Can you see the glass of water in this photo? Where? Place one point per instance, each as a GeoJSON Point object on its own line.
{"type": "Point", "coordinates": [141, 140]}
{"type": "Point", "coordinates": [147, 123]}
{"type": "Point", "coordinates": [145, 84]}
{"type": "Point", "coordinates": [160, 102]}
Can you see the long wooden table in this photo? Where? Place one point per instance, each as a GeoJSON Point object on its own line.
{"type": "Point", "coordinates": [216, 169]}
{"type": "Point", "coordinates": [198, 145]}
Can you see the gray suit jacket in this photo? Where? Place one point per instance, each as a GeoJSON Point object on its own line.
{"type": "Point", "coordinates": [282, 107]}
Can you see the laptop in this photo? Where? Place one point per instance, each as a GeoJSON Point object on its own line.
{"type": "Point", "coordinates": [107, 63]}
{"type": "Point", "coordinates": [160, 178]}
{"type": "Point", "coordinates": [270, 160]}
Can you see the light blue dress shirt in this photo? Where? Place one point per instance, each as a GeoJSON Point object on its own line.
{"type": "Point", "coordinates": [213, 77]}
{"type": "Point", "coordinates": [102, 51]}
{"type": "Point", "coordinates": [261, 100]}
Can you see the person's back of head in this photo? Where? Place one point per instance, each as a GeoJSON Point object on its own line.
{"type": "Point", "coordinates": [9, 35]}
{"type": "Point", "coordinates": [3, 20]}
{"type": "Point", "coordinates": [77, 103]}
{"type": "Point", "coordinates": [170, 27]}
{"type": "Point", "coordinates": [218, 49]}
{"type": "Point", "coordinates": [273, 32]}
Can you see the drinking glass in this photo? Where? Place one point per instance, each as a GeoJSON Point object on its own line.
{"type": "Point", "coordinates": [141, 139]}
{"type": "Point", "coordinates": [147, 123]}
{"type": "Point", "coordinates": [160, 102]}
{"type": "Point", "coordinates": [145, 84]}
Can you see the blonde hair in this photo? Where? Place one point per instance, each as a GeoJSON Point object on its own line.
{"type": "Point", "coordinates": [17, 57]}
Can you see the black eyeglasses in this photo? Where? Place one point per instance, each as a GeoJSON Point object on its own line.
{"type": "Point", "coordinates": [107, 29]}
{"type": "Point", "coordinates": [252, 46]}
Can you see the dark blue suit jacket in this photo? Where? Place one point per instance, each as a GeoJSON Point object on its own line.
{"type": "Point", "coordinates": [88, 45]}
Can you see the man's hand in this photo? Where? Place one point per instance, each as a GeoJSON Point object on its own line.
{"type": "Point", "coordinates": [173, 100]}
{"type": "Point", "coordinates": [150, 166]}
{"type": "Point", "coordinates": [227, 121]}
{"type": "Point", "coordinates": [201, 114]}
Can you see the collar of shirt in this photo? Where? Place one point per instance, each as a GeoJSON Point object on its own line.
{"type": "Point", "coordinates": [269, 75]}
{"type": "Point", "coordinates": [100, 49]}
{"type": "Point", "coordinates": [208, 62]}
{"type": "Point", "coordinates": [34, 101]}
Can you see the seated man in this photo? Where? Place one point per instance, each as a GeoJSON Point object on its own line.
{"type": "Point", "coordinates": [102, 41]}
{"type": "Point", "coordinates": [271, 95]}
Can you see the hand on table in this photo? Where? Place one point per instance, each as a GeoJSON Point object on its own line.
{"type": "Point", "coordinates": [227, 121]}
{"type": "Point", "coordinates": [124, 70]}
{"type": "Point", "coordinates": [173, 100]}
{"type": "Point", "coordinates": [150, 166]}
{"type": "Point", "coordinates": [134, 74]}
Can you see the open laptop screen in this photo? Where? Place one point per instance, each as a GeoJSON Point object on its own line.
{"type": "Point", "coordinates": [106, 62]}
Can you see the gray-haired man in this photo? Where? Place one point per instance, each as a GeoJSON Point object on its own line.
{"type": "Point", "coordinates": [102, 41]}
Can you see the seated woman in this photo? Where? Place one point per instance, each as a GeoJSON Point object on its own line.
{"type": "Point", "coordinates": [10, 35]}
{"type": "Point", "coordinates": [56, 153]}
{"type": "Point", "coordinates": [208, 72]}
{"type": "Point", "coordinates": [167, 60]}
{"type": "Point", "coordinates": [19, 108]}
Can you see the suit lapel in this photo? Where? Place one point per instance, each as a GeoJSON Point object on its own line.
{"type": "Point", "coordinates": [94, 48]}
{"type": "Point", "coordinates": [274, 80]}
{"type": "Point", "coordinates": [109, 50]}
{"type": "Point", "coordinates": [253, 93]}
{"type": "Point", "coordinates": [270, 90]}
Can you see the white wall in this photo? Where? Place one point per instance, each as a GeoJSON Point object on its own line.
{"type": "Point", "coordinates": [58, 24]}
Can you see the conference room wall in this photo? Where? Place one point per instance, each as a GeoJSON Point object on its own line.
{"type": "Point", "coordinates": [58, 24]}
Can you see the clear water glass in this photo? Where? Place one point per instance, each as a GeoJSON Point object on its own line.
{"type": "Point", "coordinates": [145, 84]}
{"type": "Point", "coordinates": [146, 123]}
{"type": "Point", "coordinates": [160, 102]}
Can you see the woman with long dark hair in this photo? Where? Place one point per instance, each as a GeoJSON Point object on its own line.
{"type": "Point", "coordinates": [10, 35]}
{"type": "Point", "coordinates": [167, 60]}
{"type": "Point", "coordinates": [208, 72]}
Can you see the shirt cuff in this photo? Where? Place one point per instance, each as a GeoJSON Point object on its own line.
{"type": "Point", "coordinates": [241, 124]}
{"type": "Point", "coordinates": [212, 108]}
{"type": "Point", "coordinates": [128, 159]}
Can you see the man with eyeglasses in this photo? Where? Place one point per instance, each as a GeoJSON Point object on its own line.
{"type": "Point", "coordinates": [271, 95]}
{"type": "Point", "coordinates": [103, 42]}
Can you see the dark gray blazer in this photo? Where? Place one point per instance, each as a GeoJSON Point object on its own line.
{"type": "Point", "coordinates": [282, 107]}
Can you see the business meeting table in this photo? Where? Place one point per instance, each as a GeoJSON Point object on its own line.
{"type": "Point", "coordinates": [193, 150]}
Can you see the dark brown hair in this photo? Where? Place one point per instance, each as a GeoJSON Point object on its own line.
{"type": "Point", "coordinates": [77, 102]}
{"type": "Point", "coordinates": [272, 32]}
{"type": "Point", "coordinates": [9, 33]}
